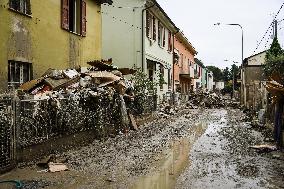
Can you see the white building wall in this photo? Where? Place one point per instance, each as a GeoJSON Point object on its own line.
{"type": "Point", "coordinates": [210, 81]}
{"type": "Point", "coordinates": [219, 85]}
{"type": "Point", "coordinates": [198, 79]}
{"type": "Point", "coordinates": [157, 53]}
{"type": "Point", "coordinates": [122, 32]}
{"type": "Point", "coordinates": [257, 60]}
{"type": "Point", "coordinates": [122, 39]}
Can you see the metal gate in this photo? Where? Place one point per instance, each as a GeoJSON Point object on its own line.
{"type": "Point", "coordinates": [7, 137]}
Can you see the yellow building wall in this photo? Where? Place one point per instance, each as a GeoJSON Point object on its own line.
{"type": "Point", "coordinates": [41, 41]}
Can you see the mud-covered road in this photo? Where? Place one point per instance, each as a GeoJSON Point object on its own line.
{"type": "Point", "coordinates": [222, 157]}
{"type": "Point", "coordinates": [195, 148]}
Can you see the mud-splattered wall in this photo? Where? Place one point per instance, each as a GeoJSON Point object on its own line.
{"type": "Point", "coordinates": [40, 40]}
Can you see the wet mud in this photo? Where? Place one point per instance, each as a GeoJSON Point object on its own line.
{"type": "Point", "coordinates": [195, 148]}
{"type": "Point", "coordinates": [222, 157]}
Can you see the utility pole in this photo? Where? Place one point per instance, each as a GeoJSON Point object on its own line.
{"type": "Point", "coordinates": [275, 28]}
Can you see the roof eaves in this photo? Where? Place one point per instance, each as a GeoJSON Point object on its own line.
{"type": "Point", "coordinates": [166, 15]}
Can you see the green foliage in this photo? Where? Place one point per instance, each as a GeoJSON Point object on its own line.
{"type": "Point", "coordinates": [161, 79]}
{"type": "Point", "coordinates": [217, 73]}
{"type": "Point", "coordinates": [226, 75]}
{"type": "Point", "coordinates": [234, 76]}
{"type": "Point", "coordinates": [143, 85]}
{"type": "Point", "coordinates": [275, 49]}
{"type": "Point", "coordinates": [228, 88]}
{"type": "Point", "coordinates": [274, 60]}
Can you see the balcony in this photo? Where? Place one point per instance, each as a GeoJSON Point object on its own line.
{"type": "Point", "coordinates": [189, 74]}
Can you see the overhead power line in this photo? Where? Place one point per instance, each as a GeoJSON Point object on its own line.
{"type": "Point", "coordinates": [269, 37]}
{"type": "Point", "coordinates": [271, 24]}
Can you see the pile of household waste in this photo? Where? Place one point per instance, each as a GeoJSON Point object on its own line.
{"type": "Point", "coordinates": [102, 77]}
{"type": "Point", "coordinates": [209, 99]}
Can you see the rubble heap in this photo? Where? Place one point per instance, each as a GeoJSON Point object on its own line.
{"type": "Point", "coordinates": [64, 102]}
{"type": "Point", "coordinates": [209, 100]}
{"type": "Point", "coordinates": [102, 77]}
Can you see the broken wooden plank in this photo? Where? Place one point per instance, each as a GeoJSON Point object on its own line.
{"type": "Point", "coordinates": [31, 84]}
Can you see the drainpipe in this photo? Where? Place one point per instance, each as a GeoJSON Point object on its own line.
{"type": "Point", "coordinates": [174, 65]}
{"type": "Point", "coordinates": [143, 60]}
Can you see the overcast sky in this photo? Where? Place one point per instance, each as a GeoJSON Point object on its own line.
{"type": "Point", "coordinates": [216, 43]}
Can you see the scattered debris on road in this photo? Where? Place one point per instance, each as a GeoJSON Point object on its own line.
{"type": "Point", "coordinates": [56, 167]}
{"type": "Point", "coordinates": [264, 148]}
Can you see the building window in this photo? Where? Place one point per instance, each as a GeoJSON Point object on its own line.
{"type": "Point", "coordinates": [181, 61]}
{"type": "Point", "coordinates": [73, 16]}
{"type": "Point", "coordinates": [18, 73]}
{"type": "Point", "coordinates": [151, 26]}
{"type": "Point", "coordinates": [162, 75]}
{"type": "Point", "coordinates": [151, 75]}
{"type": "Point", "coordinates": [170, 46]}
{"type": "Point", "coordinates": [189, 64]}
{"type": "Point", "coordinates": [22, 6]}
{"type": "Point", "coordinates": [148, 23]}
{"type": "Point", "coordinates": [161, 35]}
{"type": "Point", "coordinates": [151, 66]}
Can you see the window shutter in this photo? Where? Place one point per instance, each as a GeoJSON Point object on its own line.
{"type": "Point", "coordinates": [148, 23]}
{"type": "Point", "coordinates": [159, 33]}
{"type": "Point", "coordinates": [83, 17]}
{"type": "Point", "coordinates": [170, 41]}
{"type": "Point", "coordinates": [164, 37]}
{"type": "Point", "coordinates": [65, 14]}
{"type": "Point", "coordinates": [154, 28]}
{"type": "Point", "coordinates": [15, 4]}
{"type": "Point", "coordinates": [28, 5]}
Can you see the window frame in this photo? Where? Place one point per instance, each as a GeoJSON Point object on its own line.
{"type": "Point", "coordinates": [170, 45]}
{"type": "Point", "coordinates": [162, 72]}
{"type": "Point", "coordinates": [69, 19]}
{"type": "Point", "coordinates": [161, 34]}
{"type": "Point", "coordinates": [12, 74]}
{"type": "Point", "coordinates": [26, 10]}
{"type": "Point", "coordinates": [151, 26]}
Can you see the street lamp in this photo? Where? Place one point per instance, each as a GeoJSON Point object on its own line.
{"type": "Point", "coordinates": [218, 24]}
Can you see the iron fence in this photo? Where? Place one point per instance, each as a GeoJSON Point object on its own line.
{"type": "Point", "coordinates": [7, 136]}
{"type": "Point", "coordinates": [24, 123]}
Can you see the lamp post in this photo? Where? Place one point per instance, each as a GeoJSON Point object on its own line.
{"type": "Point", "coordinates": [218, 24]}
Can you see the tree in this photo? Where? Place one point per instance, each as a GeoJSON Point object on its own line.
{"type": "Point", "coordinates": [217, 73]}
{"type": "Point", "coordinates": [226, 75]}
{"type": "Point", "coordinates": [274, 50]}
{"type": "Point", "coordinates": [235, 72]}
{"type": "Point", "coordinates": [274, 62]}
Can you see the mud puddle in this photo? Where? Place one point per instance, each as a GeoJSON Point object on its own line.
{"type": "Point", "coordinates": [172, 162]}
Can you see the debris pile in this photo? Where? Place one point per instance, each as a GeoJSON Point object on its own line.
{"type": "Point", "coordinates": [205, 99]}
{"type": "Point", "coordinates": [166, 110]}
{"type": "Point", "coordinates": [209, 100]}
{"type": "Point", "coordinates": [64, 102]}
{"type": "Point", "coordinates": [101, 78]}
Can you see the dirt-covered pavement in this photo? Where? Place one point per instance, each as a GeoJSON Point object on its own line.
{"type": "Point", "coordinates": [195, 148]}
{"type": "Point", "coordinates": [222, 157]}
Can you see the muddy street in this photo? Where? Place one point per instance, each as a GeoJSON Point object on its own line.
{"type": "Point", "coordinates": [195, 148]}
{"type": "Point", "coordinates": [222, 157]}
